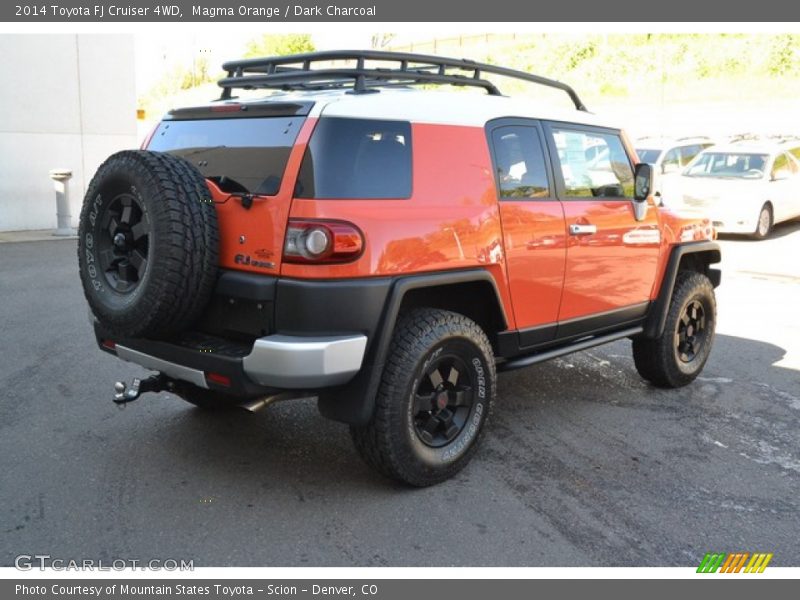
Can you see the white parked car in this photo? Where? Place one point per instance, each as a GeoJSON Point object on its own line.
{"type": "Point", "coordinates": [669, 157]}
{"type": "Point", "coordinates": [743, 188]}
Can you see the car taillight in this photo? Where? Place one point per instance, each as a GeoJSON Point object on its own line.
{"type": "Point", "coordinates": [219, 379]}
{"type": "Point", "coordinates": [146, 141]}
{"type": "Point", "coordinates": [228, 108]}
{"type": "Point", "coordinates": [322, 242]}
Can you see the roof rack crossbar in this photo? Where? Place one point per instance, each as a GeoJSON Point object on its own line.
{"type": "Point", "coordinates": [295, 72]}
{"type": "Point", "coordinates": [287, 80]}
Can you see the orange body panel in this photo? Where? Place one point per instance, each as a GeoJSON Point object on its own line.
{"type": "Point", "coordinates": [676, 229]}
{"type": "Point", "coordinates": [536, 252]}
{"type": "Point", "coordinates": [616, 266]}
{"type": "Point", "coordinates": [451, 220]}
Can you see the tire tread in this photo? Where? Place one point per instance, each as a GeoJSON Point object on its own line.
{"type": "Point", "coordinates": [414, 333]}
{"type": "Point", "coordinates": [654, 358]}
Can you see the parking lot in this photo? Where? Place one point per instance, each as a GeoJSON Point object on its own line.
{"type": "Point", "coordinates": [584, 464]}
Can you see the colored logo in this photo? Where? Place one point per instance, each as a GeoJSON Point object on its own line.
{"type": "Point", "coordinates": [737, 562]}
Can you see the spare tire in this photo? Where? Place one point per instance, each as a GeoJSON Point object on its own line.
{"type": "Point", "coordinates": [147, 244]}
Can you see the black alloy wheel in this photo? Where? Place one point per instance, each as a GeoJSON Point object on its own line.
{"type": "Point", "coordinates": [123, 247]}
{"type": "Point", "coordinates": [443, 401]}
{"type": "Point", "coordinates": [691, 334]}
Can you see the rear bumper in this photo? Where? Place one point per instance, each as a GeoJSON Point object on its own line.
{"type": "Point", "coordinates": [262, 335]}
{"type": "Point", "coordinates": [301, 362]}
{"type": "Point", "coordinates": [272, 363]}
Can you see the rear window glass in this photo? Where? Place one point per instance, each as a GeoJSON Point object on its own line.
{"type": "Point", "coordinates": [357, 158]}
{"type": "Point", "coordinates": [240, 155]}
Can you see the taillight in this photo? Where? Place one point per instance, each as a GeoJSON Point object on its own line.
{"type": "Point", "coordinates": [219, 379]}
{"type": "Point", "coordinates": [227, 108]}
{"type": "Point", "coordinates": [148, 137]}
{"type": "Point", "coordinates": [322, 242]}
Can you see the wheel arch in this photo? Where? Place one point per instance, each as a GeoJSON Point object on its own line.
{"type": "Point", "coordinates": [354, 402]}
{"type": "Point", "coordinates": [692, 256]}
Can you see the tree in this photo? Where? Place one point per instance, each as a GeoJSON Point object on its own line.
{"type": "Point", "coordinates": [379, 41]}
{"type": "Point", "coordinates": [279, 45]}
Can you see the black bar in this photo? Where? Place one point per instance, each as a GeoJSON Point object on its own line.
{"type": "Point", "coordinates": [275, 72]}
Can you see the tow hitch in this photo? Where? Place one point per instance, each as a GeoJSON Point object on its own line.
{"type": "Point", "coordinates": [124, 394]}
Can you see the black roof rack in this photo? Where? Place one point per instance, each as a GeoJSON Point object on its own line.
{"type": "Point", "coordinates": [295, 72]}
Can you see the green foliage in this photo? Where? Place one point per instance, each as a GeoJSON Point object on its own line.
{"type": "Point", "coordinates": [177, 79]}
{"type": "Point", "coordinates": [279, 45]}
{"type": "Point", "coordinates": [615, 65]}
{"type": "Point", "coordinates": [784, 57]}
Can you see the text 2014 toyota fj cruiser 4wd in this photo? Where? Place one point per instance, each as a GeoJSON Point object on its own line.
{"type": "Point", "coordinates": [386, 249]}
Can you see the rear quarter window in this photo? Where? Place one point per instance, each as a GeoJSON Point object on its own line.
{"type": "Point", "coordinates": [357, 158]}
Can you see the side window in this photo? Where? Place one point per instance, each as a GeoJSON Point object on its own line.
{"type": "Point", "coordinates": [688, 153]}
{"type": "Point", "coordinates": [519, 162]}
{"type": "Point", "coordinates": [672, 161]}
{"type": "Point", "coordinates": [593, 164]}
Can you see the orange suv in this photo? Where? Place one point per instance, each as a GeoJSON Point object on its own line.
{"type": "Point", "coordinates": [386, 249]}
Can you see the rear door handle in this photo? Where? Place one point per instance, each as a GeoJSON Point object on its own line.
{"type": "Point", "coordinates": [578, 229]}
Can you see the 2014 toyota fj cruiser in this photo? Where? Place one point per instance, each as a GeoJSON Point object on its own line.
{"type": "Point", "coordinates": [386, 249]}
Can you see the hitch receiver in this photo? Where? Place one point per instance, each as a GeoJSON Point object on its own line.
{"type": "Point", "coordinates": [124, 394]}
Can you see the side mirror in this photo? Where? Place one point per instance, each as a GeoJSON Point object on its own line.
{"type": "Point", "coordinates": [642, 181]}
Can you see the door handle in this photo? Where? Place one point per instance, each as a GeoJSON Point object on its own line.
{"type": "Point", "coordinates": [578, 229]}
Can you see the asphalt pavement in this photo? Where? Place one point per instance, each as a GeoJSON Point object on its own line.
{"type": "Point", "coordinates": [584, 464]}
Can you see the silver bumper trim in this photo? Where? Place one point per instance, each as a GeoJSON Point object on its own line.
{"type": "Point", "coordinates": [171, 369]}
{"type": "Point", "coordinates": [292, 362]}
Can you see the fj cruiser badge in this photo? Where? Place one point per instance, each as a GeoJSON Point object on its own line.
{"type": "Point", "coordinates": [244, 259]}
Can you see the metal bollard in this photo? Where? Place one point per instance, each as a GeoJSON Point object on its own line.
{"type": "Point", "coordinates": [61, 179]}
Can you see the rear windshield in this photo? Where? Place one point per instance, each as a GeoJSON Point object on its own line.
{"type": "Point", "coordinates": [244, 155]}
{"type": "Point", "coordinates": [728, 164]}
{"type": "Point", "coordinates": [357, 158]}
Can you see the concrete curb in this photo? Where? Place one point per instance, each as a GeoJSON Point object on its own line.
{"type": "Point", "coordinates": [34, 235]}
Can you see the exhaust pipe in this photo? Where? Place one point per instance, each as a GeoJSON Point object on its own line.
{"type": "Point", "coordinates": [257, 404]}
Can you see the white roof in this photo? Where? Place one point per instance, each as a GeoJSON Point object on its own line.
{"type": "Point", "coordinates": [449, 108]}
{"type": "Point", "coordinates": [434, 106]}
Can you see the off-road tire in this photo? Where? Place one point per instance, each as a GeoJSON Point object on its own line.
{"type": "Point", "coordinates": [173, 225]}
{"type": "Point", "coordinates": [424, 341]}
{"type": "Point", "coordinates": [659, 360]}
{"type": "Point", "coordinates": [765, 222]}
